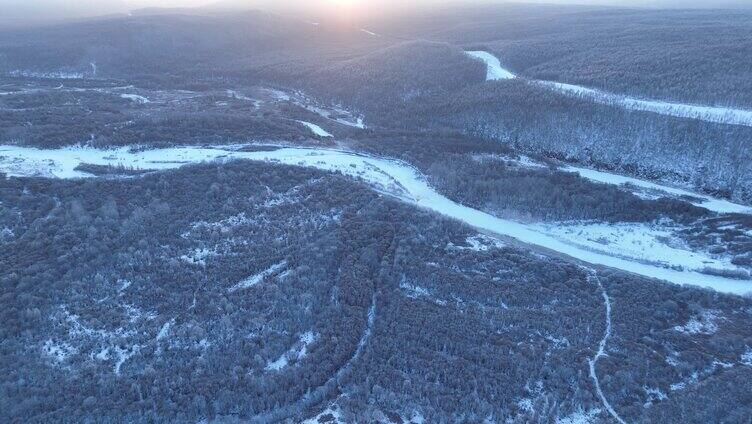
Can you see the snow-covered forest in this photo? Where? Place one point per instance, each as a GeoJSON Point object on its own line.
{"type": "Point", "coordinates": [492, 214]}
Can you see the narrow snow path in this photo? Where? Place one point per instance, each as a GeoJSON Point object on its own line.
{"type": "Point", "coordinates": [593, 278]}
{"type": "Point", "coordinates": [257, 278]}
{"type": "Point", "coordinates": [387, 176]}
{"type": "Point", "coordinates": [720, 115]}
{"type": "Point", "coordinates": [316, 130]}
{"type": "Point", "coordinates": [371, 33]}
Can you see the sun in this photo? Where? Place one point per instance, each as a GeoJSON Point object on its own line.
{"type": "Point", "coordinates": [344, 10]}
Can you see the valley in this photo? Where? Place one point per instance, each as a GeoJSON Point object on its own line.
{"type": "Point", "coordinates": [494, 213]}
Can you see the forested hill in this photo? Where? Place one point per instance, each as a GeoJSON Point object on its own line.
{"type": "Point", "coordinates": [698, 56]}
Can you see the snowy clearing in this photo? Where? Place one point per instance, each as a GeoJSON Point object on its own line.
{"type": "Point", "coordinates": [316, 130]}
{"type": "Point", "coordinates": [337, 115]}
{"type": "Point", "coordinates": [135, 98]}
{"type": "Point", "coordinates": [704, 323]}
{"type": "Point", "coordinates": [652, 243]}
{"type": "Point", "coordinates": [720, 115]}
{"type": "Point", "coordinates": [395, 178]}
{"type": "Point", "coordinates": [58, 351]}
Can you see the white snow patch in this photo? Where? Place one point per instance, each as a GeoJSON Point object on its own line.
{"type": "Point", "coordinates": [6, 234]}
{"type": "Point", "coordinates": [483, 243]}
{"type": "Point", "coordinates": [678, 386]}
{"type": "Point", "coordinates": [135, 98]}
{"type": "Point", "coordinates": [123, 355]}
{"type": "Point", "coordinates": [331, 415]}
{"type": "Point", "coordinates": [494, 71]}
{"type": "Point", "coordinates": [579, 417]}
{"type": "Point", "coordinates": [315, 129]}
{"type": "Point", "coordinates": [336, 114]}
{"type": "Point", "coordinates": [521, 160]}
{"type": "Point", "coordinates": [58, 351]}
{"type": "Point", "coordinates": [237, 96]}
{"type": "Point", "coordinates": [255, 279]}
{"type": "Point", "coordinates": [373, 34]}
{"type": "Point", "coordinates": [134, 313]}
{"type": "Point", "coordinates": [747, 357]}
{"type": "Point", "coordinates": [165, 330]}
{"type": "Point", "coordinates": [704, 323]}
{"type": "Point", "coordinates": [298, 351]}
{"type": "Point", "coordinates": [224, 225]}
{"type": "Point", "coordinates": [46, 74]}
{"type": "Point", "coordinates": [417, 418]}
{"type": "Point", "coordinates": [673, 359]}
{"type": "Point", "coordinates": [198, 256]}
{"type": "Point", "coordinates": [413, 291]}
{"type": "Point", "coordinates": [654, 395]}
{"type": "Point", "coordinates": [103, 354]}
{"type": "Point", "coordinates": [557, 342]}
{"type": "Point", "coordinates": [124, 284]}
{"type": "Point", "coordinates": [277, 365]}
{"type": "Point", "coordinates": [525, 404]}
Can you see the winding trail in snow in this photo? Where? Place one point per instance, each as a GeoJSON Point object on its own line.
{"type": "Point", "coordinates": [593, 278]}
{"type": "Point", "coordinates": [392, 177]}
{"type": "Point", "coordinates": [719, 115]}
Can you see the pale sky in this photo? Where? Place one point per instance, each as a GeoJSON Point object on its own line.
{"type": "Point", "coordinates": [23, 11]}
